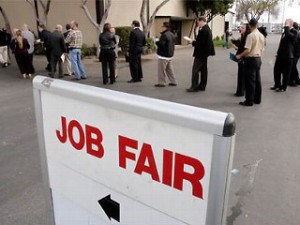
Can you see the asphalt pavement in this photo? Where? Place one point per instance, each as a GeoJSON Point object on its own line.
{"type": "Point", "coordinates": [265, 185]}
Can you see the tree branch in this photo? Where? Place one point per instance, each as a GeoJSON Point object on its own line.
{"type": "Point", "coordinates": [88, 14]}
{"type": "Point", "coordinates": [142, 14]}
{"type": "Point", "coordinates": [105, 15]}
{"type": "Point", "coordinates": [153, 16]}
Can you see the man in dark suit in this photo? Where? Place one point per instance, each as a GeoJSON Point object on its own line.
{"type": "Point", "coordinates": [44, 35]}
{"type": "Point", "coordinates": [285, 57]}
{"type": "Point", "coordinates": [294, 79]}
{"type": "Point", "coordinates": [57, 47]}
{"type": "Point", "coordinates": [137, 41]}
{"type": "Point", "coordinates": [203, 47]}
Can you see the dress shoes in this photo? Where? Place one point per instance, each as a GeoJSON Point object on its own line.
{"type": "Point", "coordinates": [238, 95]}
{"type": "Point", "coordinates": [191, 90]}
{"type": "Point", "coordinates": [273, 88]}
{"type": "Point", "coordinates": [201, 89]}
{"type": "Point", "coordinates": [159, 85]}
{"type": "Point", "coordinates": [132, 81]}
{"type": "Point", "coordinates": [246, 104]}
{"type": "Point", "coordinates": [280, 90]}
{"type": "Point", "coordinates": [172, 84]}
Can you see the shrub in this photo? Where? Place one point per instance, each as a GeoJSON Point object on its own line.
{"type": "Point", "coordinates": [219, 42]}
{"type": "Point", "coordinates": [150, 46]}
{"type": "Point", "coordinates": [39, 49]}
{"type": "Point", "coordinates": [124, 33]}
{"type": "Point", "coordinates": [88, 51]}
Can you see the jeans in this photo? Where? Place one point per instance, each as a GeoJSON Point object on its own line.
{"type": "Point", "coordinates": [75, 57]}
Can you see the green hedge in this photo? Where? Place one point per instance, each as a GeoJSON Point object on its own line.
{"type": "Point", "coordinates": [124, 34]}
{"type": "Point", "coordinates": [88, 51]}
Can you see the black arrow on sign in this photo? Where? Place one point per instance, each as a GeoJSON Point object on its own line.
{"type": "Point", "coordinates": [110, 207]}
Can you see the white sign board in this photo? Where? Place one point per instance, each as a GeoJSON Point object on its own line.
{"type": "Point", "coordinates": [116, 158]}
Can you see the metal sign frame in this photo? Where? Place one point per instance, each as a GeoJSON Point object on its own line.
{"type": "Point", "coordinates": [220, 125]}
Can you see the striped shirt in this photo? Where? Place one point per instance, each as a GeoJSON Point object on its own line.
{"type": "Point", "coordinates": [74, 39]}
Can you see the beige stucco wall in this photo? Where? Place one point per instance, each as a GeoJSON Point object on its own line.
{"type": "Point", "coordinates": [121, 14]}
{"type": "Point", "coordinates": [217, 26]}
{"type": "Point", "coordinates": [172, 8]}
{"type": "Point", "coordinates": [61, 12]}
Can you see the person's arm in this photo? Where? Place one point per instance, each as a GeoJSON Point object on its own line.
{"type": "Point", "coordinates": [68, 38]}
{"type": "Point", "coordinates": [247, 48]}
{"type": "Point", "coordinates": [243, 54]}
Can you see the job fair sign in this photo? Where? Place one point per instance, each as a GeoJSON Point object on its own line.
{"type": "Point", "coordinates": [116, 158]}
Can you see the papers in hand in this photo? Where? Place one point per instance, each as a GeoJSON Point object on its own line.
{"type": "Point", "coordinates": [232, 57]}
{"type": "Point", "coordinates": [63, 57]}
{"type": "Point", "coordinates": [187, 38]}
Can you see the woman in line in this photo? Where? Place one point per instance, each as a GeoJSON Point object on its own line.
{"type": "Point", "coordinates": [20, 46]}
{"type": "Point", "coordinates": [107, 55]}
{"type": "Point", "coordinates": [239, 45]}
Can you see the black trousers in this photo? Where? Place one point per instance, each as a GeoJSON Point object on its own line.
{"type": "Point", "coordinates": [48, 56]}
{"type": "Point", "coordinates": [240, 88]}
{"type": "Point", "coordinates": [108, 59]}
{"type": "Point", "coordinates": [199, 66]}
{"type": "Point", "coordinates": [252, 79]}
{"type": "Point", "coordinates": [23, 62]}
{"type": "Point", "coordinates": [135, 64]}
{"type": "Point", "coordinates": [31, 62]}
{"type": "Point", "coordinates": [282, 66]}
{"type": "Point", "coordinates": [54, 60]}
{"type": "Point", "coordinates": [294, 78]}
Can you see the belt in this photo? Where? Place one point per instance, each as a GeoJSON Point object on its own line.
{"type": "Point", "coordinates": [108, 48]}
{"type": "Point", "coordinates": [249, 58]}
{"type": "Point", "coordinates": [73, 48]}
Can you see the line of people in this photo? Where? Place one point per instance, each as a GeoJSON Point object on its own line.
{"type": "Point", "coordinates": [250, 48]}
{"type": "Point", "coordinates": [63, 47]}
{"type": "Point", "coordinates": [59, 47]}
{"type": "Point", "coordinates": [66, 46]}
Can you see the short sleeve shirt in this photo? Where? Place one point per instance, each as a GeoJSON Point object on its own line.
{"type": "Point", "coordinates": [255, 41]}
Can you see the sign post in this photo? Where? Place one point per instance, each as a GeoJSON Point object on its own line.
{"type": "Point", "coordinates": [116, 158]}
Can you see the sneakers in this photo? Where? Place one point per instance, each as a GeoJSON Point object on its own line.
{"type": "Point", "coordinates": [5, 65]}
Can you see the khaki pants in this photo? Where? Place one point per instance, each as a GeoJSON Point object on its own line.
{"type": "Point", "coordinates": [165, 68]}
{"type": "Point", "coordinates": [3, 54]}
{"type": "Point", "coordinates": [69, 65]}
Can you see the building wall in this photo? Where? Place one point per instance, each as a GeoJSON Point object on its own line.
{"type": "Point", "coordinates": [172, 8]}
{"type": "Point", "coordinates": [217, 26]}
{"type": "Point", "coordinates": [122, 13]}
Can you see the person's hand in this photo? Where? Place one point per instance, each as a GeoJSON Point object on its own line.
{"type": "Point", "coordinates": [238, 57]}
